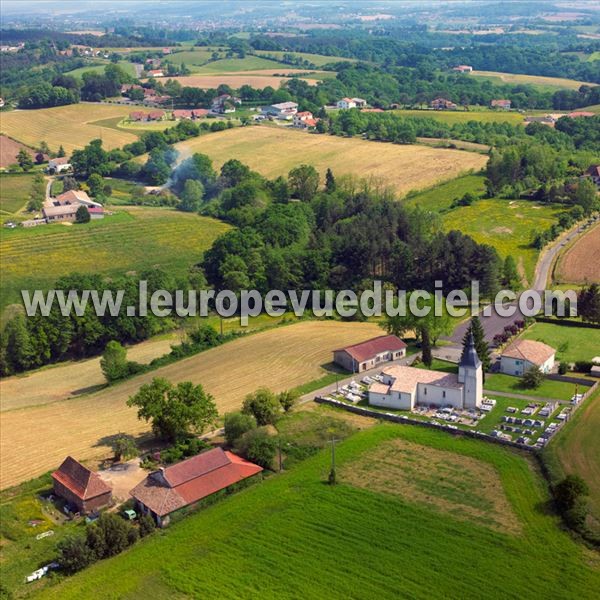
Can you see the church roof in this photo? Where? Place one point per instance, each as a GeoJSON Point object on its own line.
{"type": "Point", "coordinates": [469, 356]}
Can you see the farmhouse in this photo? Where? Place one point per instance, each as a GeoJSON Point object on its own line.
{"type": "Point", "coordinates": [81, 487]}
{"type": "Point", "coordinates": [137, 115]}
{"type": "Point", "coordinates": [369, 354]}
{"type": "Point", "coordinates": [404, 387]}
{"type": "Point", "coordinates": [156, 115]}
{"type": "Point", "coordinates": [283, 110]}
{"type": "Point", "coordinates": [58, 165]}
{"type": "Point", "coordinates": [64, 207]}
{"type": "Point", "coordinates": [442, 104]}
{"type": "Point", "coordinates": [196, 113]}
{"type": "Point", "coordinates": [351, 103]}
{"type": "Point", "coordinates": [522, 355]}
{"type": "Point", "coordinates": [184, 484]}
{"type": "Point", "coordinates": [225, 103]}
{"type": "Point", "coordinates": [503, 104]}
{"type": "Point", "coordinates": [304, 120]}
{"type": "Point", "coordinates": [463, 68]}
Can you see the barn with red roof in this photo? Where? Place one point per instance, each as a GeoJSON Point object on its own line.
{"type": "Point", "coordinates": [370, 354]}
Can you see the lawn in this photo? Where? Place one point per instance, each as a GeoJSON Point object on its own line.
{"type": "Point", "coordinates": [273, 151]}
{"type": "Point", "coordinates": [71, 126]}
{"type": "Point", "coordinates": [439, 198]}
{"type": "Point", "coordinates": [454, 116]}
{"type": "Point", "coordinates": [571, 343]}
{"type": "Point", "coordinates": [14, 194]}
{"type": "Point", "coordinates": [36, 439]}
{"type": "Point", "coordinates": [544, 83]}
{"type": "Point", "coordinates": [316, 59]}
{"type": "Point", "coordinates": [292, 536]}
{"type": "Point", "coordinates": [131, 240]}
{"type": "Point", "coordinates": [507, 225]}
{"type": "Point", "coordinates": [555, 390]}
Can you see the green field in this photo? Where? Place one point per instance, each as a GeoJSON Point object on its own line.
{"type": "Point", "coordinates": [542, 83]}
{"type": "Point", "coordinates": [507, 225]}
{"type": "Point", "coordinates": [14, 194]}
{"type": "Point", "coordinates": [316, 59]}
{"type": "Point", "coordinates": [593, 56]}
{"type": "Point", "coordinates": [128, 67]}
{"type": "Point", "coordinates": [440, 198]}
{"type": "Point", "coordinates": [457, 116]}
{"type": "Point", "coordinates": [131, 240]}
{"type": "Point", "coordinates": [557, 390]}
{"type": "Point", "coordinates": [571, 343]}
{"type": "Point", "coordinates": [293, 536]}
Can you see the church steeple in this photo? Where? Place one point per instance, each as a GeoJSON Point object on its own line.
{"type": "Point", "coordinates": [469, 356]}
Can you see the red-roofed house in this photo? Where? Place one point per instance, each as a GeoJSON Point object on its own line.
{"type": "Point", "coordinates": [81, 487]}
{"type": "Point", "coordinates": [137, 115]}
{"type": "Point", "coordinates": [369, 354]}
{"type": "Point", "coordinates": [184, 484]}
{"type": "Point", "coordinates": [182, 114]}
{"type": "Point", "coordinates": [156, 115]}
{"type": "Point", "coordinates": [442, 104]}
{"type": "Point", "coordinates": [463, 68]}
{"type": "Point", "coordinates": [156, 73]}
{"type": "Point", "coordinates": [594, 173]}
{"type": "Point", "coordinates": [304, 119]}
{"type": "Point", "coordinates": [503, 104]}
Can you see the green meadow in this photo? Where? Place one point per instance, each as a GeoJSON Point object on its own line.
{"type": "Point", "coordinates": [316, 59]}
{"type": "Point", "coordinates": [128, 67]}
{"type": "Point", "coordinates": [295, 536]}
{"type": "Point", "coordinates": [439, 198]}
{"type": "Point", "coordinates": [452, 117]}
{"type": "Point", "coordinates": [14, 194]}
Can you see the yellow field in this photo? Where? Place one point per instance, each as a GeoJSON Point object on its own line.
{"type": "Point", "coordinates": [37, 439]}
{"type": "Point", "coordinates": [236, 81]}
{"type": "Point", "coordinates": [72, 126]}
{"type": "Point", "coordinates": [273, 151]}
{"type": "Point", "coordinates": [552, 82]}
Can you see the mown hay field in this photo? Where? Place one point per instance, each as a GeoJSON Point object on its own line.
{"type": "Point", "coordinates": [236, 81]}
{"type": "Point", "coordinates": [536, 80]}
{"type": "Point", "coordinates": [37, 439]}
{"type": "Point", "coordinates": [292, 536]}
{"type": "Point", "coordinates": [71, 126]}
{"type": "Point", "coordinates": [316, 59]}
{"type": "Point", "coordinates": [131, 240]}
{"type": "Point", "coordinates": [9, 149]}
{"type": "Point", "coordinates": [274, 151]}
{"type": "Point", "coordinates": [580, 264]}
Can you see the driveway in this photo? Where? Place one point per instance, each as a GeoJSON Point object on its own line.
{"type": "Point", "coordinates": [123, 477]}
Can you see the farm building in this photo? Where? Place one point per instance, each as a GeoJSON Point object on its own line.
{"type": "Point", "coordinates": [369, 354]}
{"type": "Point", "coordinates": [64, 207]}
{"type": "Point", "coordinates": [196, 113]}
{"type": "Point", "coordinates": [503, 104]}
{"type": "Point", "coordinates": [283, 110]}
{"type": "Point", "coordinates": [183, 484]}
{"type": "Point", "coordinates": [522, 355]}
{"type": "Point", "coordinates": [81, 487]}
{"type": "Point", "coordinates": [442, 104]}
{"type": "Point", "coordinates": [463, 68]}
{"type": "Point", "coordinates": [404, 387]}
{"type": "Point", "coordinates": [58, 165]}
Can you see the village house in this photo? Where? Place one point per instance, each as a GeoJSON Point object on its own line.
{"type": "Point", "coordinates": [369, 354]}
{"type": "Point", "coordinates": [80, 487]}
{"type": "Point", "coordinates": [156, 73]}
{"type": "Point", "coordinates": [155, 115]}
{"type": "Point", "coordinates": [502, 104]}
{"type": "Point", "coordinates": [404, 387]}
{"type": "Point", "coordinates": [594, 174]}
{"type": "Point", "coordinates": [127, 87]}
{"type": "Point", "coordinates": [304, 120]}
{"type": "Point", "coordinates": [196, 113]}
{"type": "Point", "coordinates": [58, 165]}
{"type": "Point", "coordinates": [282, 110]}
{"type": "Point", "coordinates": [153, 63]}
{"type": "Point", "coordinates": [522, 355]}
{"type": "Point", "coordinates": [137, 115]}
{"type": "Point", "coordinates": [184, 484]}
{"type": "Point", "coordinates": [149, 92]}
{"type": "Point", "coordinates": [63, 208]}
{"type": "Point", "coordinates": [225, 103]}
{"type": "Point", "coordinates": [463, 68]}
{"type": "Point", "coordinates": [345, 103]}
{"type": "Point", "coordinates": [442, 104]}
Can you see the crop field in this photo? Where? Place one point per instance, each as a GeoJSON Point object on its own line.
{"type": "Point", "coordinates": [571, 343]}
{"type": "Point", "coordinates": [236, 65]}
{"type": "Point", "coordinates": [132, 240]}
{"type": "Point", "coordinates": [579, 264]}
{"type": "Point", "coordinates": [235, 81]}
{"type": "Point", "coordinates": [440, 197]}
{"type": "Point", "coordinates": [316, 59]}
{"type": "Point", "coordinates": [292, 536]}
{"type": "Point", "coordinates": [72, 126]}
{"type": "Point", "coordinates": [454, 116]}
{"type": "Point", "coordinates": [508, 225]}
{"type": "Point", "coordinates": [551, 83]}
{"type": "Point", "coordinates": [36, 439]}
{"type": "Point", "coordinates": [9, 150]}
{"type": "Point", "coordinates": [273, 151]}
{"type": "Point", "coordinates": [14, 194]}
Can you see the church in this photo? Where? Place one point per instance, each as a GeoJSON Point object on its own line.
{"type": "Point", "coordinates": [405, 387]}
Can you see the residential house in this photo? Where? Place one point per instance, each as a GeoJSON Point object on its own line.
{"type": "Point", "coordinates": [153, 63]}
{"type": "Point", "coordinates": [404, 387]}
{"type": "Point", "coordinates": [156, 73]}
{"type": "Point", "coordinates": [80, 487]}
{"type": "Point", "coordinates": [137, 115]}
{"type": "Point", "coordinates": [73, 197]}
{"type": "Point", "coordinates": [502, 104]}
{"type": "Point", "coordinates": [304, 120]}
{"type": "Point", "coordinates": [225, 103]}
{"type": "Point", "coordinates": [370, 354]}
{"type": "Point", "coordinates": [346, 103]}
{"type": "Point", "coordinates": [63, 208]}
{"type": "Point", "coordinates": [149, 92]}
{"type": "Point", "coordinates": [196, 113]}
{"type": "Point", "coordinates": [127, 87]}
{"type": "Point", "coordinates": [594, 173]}
{"type": "Point", "coordinates": [59, 164]}
{"type": "Point", "coordinates": [184, 484]}
{"type": "Point", "coordinates": [282, 110]}
{"type": "Point", "coordinates": [463, 68]}
{"type": "Point", "coordinates": [522, 355]}
{"type": "Point", "coordinates": [442, 104]}
{"type": "Point", "coordinates": [155, 115]}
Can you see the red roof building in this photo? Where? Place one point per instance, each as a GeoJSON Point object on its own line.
{"type": "Point", "coordinates": [137, 115]}
{"type": "Point", "coordinates": [156, 115]}
{"type": "Point", "coordinates": [501, 103]}
{"type": "Point", "coordinates": [186, 483]}
{"type": "Point", "coordinates": [370, 354]}
{"type": "Point", "coordinates": [182, 114]}
{"type": "Point", "coordinates": [81, 487]}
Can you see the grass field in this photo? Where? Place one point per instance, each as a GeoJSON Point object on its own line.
{"type": "Point", "coordinates": [14, 194]}
{"type": "Point", "coordinates": [579, 264]}
{"type": "Point", "coordinates": [440, 197]}
{"type": "Point", "coordinates": [274, 151]}
{"type": "Point", "coordinates": [549, 83]}
{"type": "Point", "coordinates": [571, 343]}
{"type": "Point", "coordinates": [95, 67]}
{"type": "Point", "coordinates": [131, 240]}
{"type": "Point", "coordinates": [454, 116]}
{"type": "Point", "coordinates": [235, 65]}
{"type": "Point", "coordinates": [508, 225]}
{"type": "Point", "coordinates": [292, 536]}
{"type": "Point", "coordinates": [72, 126]}
{"type": "Point", "coordinates": [36, 439]}
{"type": "Point", "coordinates": [316, 59]}
{"type": "Point", "coordinates": [549, 388]}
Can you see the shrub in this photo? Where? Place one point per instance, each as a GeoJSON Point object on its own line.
{"type": "Point", "coordinates": [258, 447]}
{"type": "Point", "coordinates": [563, 367]}
{"type": "Point", "coordinates": [263, 405]}
{"type": "Point", "coordinates": [532, 378]}
{"type": "Point", "coordinates": [287, 400]}
{"type": "Point", "coordinates": [237, 424]}
{"type": "Point", "coordinates": [75, 554]}
{"type": "Point", "coordinates": [82, 215]}
{"type": "Point", "coordinates": [583, 366]}
{"type": "Point", "coordinates": [146, 525]}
